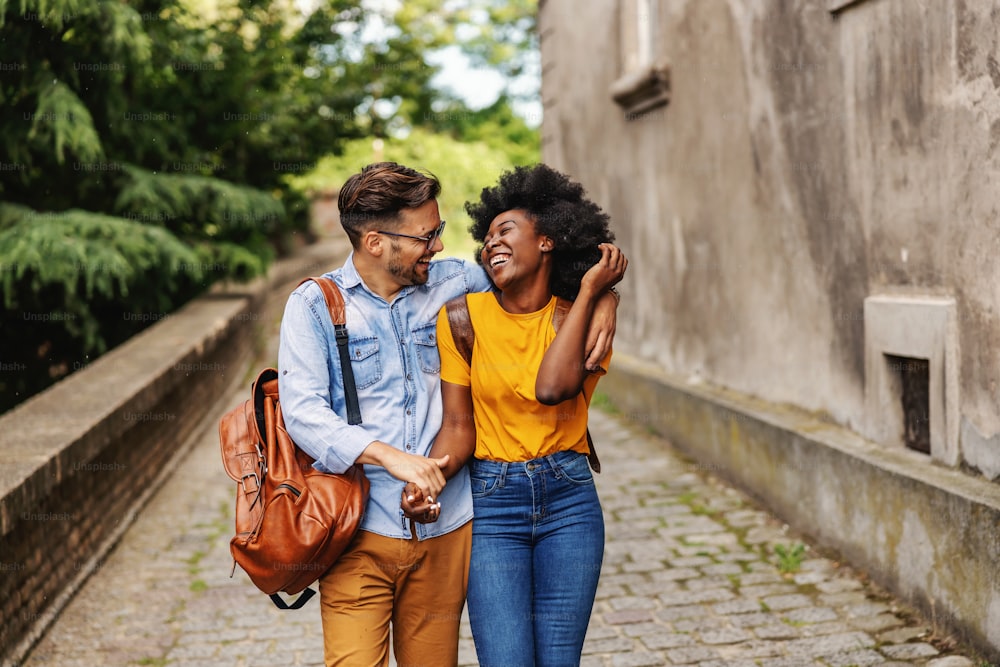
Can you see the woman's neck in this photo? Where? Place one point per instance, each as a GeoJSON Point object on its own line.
{"type": "Point", "coordinates": [525, 298]}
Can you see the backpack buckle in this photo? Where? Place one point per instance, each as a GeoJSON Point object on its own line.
{"type": "Point", "coordinates": [243, 482]}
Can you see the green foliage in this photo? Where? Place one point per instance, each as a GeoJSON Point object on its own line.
{"type": "Point", "coordinates": [88, 255]}
{"type": "Point", "coordinates": [464, 169]}
{"type": "Point", "coordinates": [232, 260]}
{"type": "Point", "coordinates": [200, 207]}
{"type": "Point", "coordinates": [62, 121]}
{"type": "Point", "coordinates": [75, 284]}
{"type": "Point", "coordinates": [242, 91]}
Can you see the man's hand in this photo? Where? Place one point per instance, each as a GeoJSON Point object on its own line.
{"type": "Point", "coordinates": [422, 471]}
{"type": "Point", "coordinates": [608, 271]}
{"type": "Point", "coordinates": [417, 506]}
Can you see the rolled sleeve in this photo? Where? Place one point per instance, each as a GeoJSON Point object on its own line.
{"type": "Point", "coordinates": [304, 365]}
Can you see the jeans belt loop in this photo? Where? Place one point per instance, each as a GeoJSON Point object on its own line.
{"type": "Point", "coordinates": [555, 466]}
{"type": "Point", "coordinates": [503, 474]}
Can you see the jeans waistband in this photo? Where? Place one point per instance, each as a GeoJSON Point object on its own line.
{"type": "Point", "coordinates": [532, 467]}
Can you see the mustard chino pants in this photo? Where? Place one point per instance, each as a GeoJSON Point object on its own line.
{"type": "Point", "coordinates": [418, 586]}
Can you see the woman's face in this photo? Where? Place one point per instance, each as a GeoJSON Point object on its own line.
{"type": "Point", "coordinates": [512, 248]}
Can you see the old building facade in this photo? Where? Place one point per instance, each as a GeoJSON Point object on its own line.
{"type": "Point", "coordinates": [806, 190]}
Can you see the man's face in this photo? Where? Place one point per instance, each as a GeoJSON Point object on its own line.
{"type": "Point", "coordinates": [409, 259]}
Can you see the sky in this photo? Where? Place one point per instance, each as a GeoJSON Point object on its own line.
{"type": "Point", "coordinates": [480, 87]}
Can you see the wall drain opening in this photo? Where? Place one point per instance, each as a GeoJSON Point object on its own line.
{"type": "Point", "coordinates": [910, 381]}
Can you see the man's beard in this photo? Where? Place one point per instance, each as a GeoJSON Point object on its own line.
{"type": "Point", "coordinates": [407, 274]}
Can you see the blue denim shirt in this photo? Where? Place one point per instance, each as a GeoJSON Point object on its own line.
{"type": "Point", "coordinates": [397, 372]}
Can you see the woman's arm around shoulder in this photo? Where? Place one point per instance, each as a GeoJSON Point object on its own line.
{"type": "Point", "coordinates": [563, 368]}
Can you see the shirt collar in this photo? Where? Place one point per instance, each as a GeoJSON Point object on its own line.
{"type": "Point", "coordinates": [350, 278]}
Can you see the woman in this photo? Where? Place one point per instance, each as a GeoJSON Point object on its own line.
{"type": "Point", "coordinates": [521, 408]}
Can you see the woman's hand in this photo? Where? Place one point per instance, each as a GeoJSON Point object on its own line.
{"type": "Point", "coordinates": [417, 507]}
{"type": "Point", "coordinates": [607, 272]}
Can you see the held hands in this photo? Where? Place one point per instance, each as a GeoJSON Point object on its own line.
{"type": "Point", "coordinates": [608, 271]}
{"type": "Point", "coordinates": [424, 482]}
{"type": "Point", "coordinates": [426, 473]}
{"type": "Point", "coordinates": [417, 506]}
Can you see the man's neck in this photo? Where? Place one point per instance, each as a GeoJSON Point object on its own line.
{"type": "Point", "coordinates": [376, 280]}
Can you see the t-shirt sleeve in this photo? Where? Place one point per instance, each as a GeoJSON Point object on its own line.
{"type": "Point", "coordinates": [590, 382]}
{"type": "Point", "coordinates": [453, 366]}
{"type": "Point", "coordinates": [602, 369]}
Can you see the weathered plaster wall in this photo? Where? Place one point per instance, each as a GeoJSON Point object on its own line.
{"type": "Point", "coordinates": [805, 161]}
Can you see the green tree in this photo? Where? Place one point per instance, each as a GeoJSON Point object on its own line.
{"type": "Point", "coordinates": [146, 151]}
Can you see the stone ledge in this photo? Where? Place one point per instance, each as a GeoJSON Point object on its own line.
{"type": "Point", "coordinates": [924, 531]}
{"type": "Point", "coordinates": [45, 438]}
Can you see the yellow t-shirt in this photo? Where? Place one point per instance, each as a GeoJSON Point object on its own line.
{"type": "Point", "coordinates": [511, 425]}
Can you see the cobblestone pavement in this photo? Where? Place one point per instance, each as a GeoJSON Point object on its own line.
{"type": "Point", "coordinates": [693, 575]}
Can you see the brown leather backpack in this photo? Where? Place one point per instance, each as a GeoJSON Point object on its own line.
{"type": "Point", "coordinates": [292, 521]}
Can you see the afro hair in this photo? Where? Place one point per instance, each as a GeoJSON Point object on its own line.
{"type": "Point", "coordinates": [560, 210]}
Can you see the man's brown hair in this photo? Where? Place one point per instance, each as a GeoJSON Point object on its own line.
{"type": "Point", "coordinates": [379, 192]}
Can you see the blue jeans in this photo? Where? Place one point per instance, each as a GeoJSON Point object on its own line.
{"type": "Point", "coordinates": [537, 546]}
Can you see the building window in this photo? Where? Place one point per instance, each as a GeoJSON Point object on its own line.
{"type": "Point", "coordinates": [644, 82]}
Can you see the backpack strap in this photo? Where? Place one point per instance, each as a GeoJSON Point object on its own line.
{"type": "Point", "coordinates": [335, 304]}
{"type": "Point", "coordinates": [460, 324]}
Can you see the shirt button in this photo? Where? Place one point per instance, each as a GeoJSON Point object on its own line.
{"type": "Point", "coordinates": [407, 412]}
{"type": "Point", "coordinates": [409, 376]}
{"type": "Point", "coordinates": [408, 447]}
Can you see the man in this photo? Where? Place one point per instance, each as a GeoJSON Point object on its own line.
{"type": "Point", "coordinates": [408, 574]}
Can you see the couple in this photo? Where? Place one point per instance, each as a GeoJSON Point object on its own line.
{"type": "Point", "coordinates": [519, 411]}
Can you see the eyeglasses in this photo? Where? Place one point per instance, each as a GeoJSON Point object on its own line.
{"type": "Point", "coordinates": [429, 239]}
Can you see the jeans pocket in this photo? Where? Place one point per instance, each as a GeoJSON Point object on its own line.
{"type": "Point", "coordinates": [577, 470]}
{"type": "Point", "coordinates": [483, 485]}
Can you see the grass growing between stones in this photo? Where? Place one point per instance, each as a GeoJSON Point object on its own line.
{"type": "Point", "coordinates": [790, 557]}
{"type": "Point", "coordinates": [152, 662]}
{"type": "Point", "coordinates": [693, 501]}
